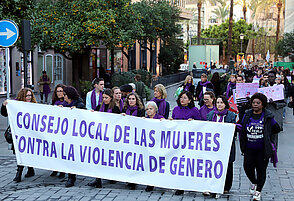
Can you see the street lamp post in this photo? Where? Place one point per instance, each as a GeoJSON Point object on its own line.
{"type": "Point", "coordinates": [241, 37]}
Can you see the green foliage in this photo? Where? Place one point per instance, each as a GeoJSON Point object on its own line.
{"type": "Point", "coordinates": [73, 26]}
{"type": "Point", "coordinates": [171, 55]}
{"type": "Point", "coordinates": [221, 32]}
{"type": "Point", "coordinates": [85, 86]}
{"type": "Point", "coordinates": [158, 19]}
{"type": "Point", "coordinates": [16, 11]}
{"type": "Point", "coordinates": [285, 46]}
{"type": "Point", "coordinates": [119, 79]}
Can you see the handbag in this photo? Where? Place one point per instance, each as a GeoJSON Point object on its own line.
{"type": "Point", "coordinates": [8, 135]}
{"type": "Point", "coordinates": [290, 104]}
{"type": "Point", "coordinates": [178, 91]}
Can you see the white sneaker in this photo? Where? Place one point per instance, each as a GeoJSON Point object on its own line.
{"type": "Point", "coordinates": [252, 189]}
{"type": "Point", "coordinates": [257, 195]}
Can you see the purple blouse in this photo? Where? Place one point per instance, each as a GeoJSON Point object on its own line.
{"type": "Point", "coordinates": [185, 113]}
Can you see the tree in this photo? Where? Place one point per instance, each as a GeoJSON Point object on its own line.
{"type": "Point", "coordinates": [17, 11]}
{"type": "Point", "coordinates": [72, 27]}
{"type": "Point", "coordinates": [171, 55]}
{"type": "Point", "coordinates": [230, 30]}
{"type": "Point", "coordinates": [159, 20]}
{"type": "Point", "coordinates": [221, 32]}
{"type": "Point", "coordinates": [285, 46]}
{"type": "Point", "coordinates": [221, 12]}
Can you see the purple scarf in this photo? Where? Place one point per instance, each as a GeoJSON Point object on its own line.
{"type": "Point", "coordinates": [187, 87]}
{"type": "Point", "coordinates": [156, 116]}
{"type": "Point", "coordinates": [58, 102]}
{"type": "Point", "coordinates": [222, 114]}
{"type": "Point", "coordinates": [102, 108]}
{"type": "Point", "coordinates": [162, 105]}
{"type": "Point", "coordinates": [230, 84]}
{"type": "Point", "coordinates": [203, 84]}
{"type": "Point", "coordinates": [132, 109]}
{"type": "Point", "coordinates": [121, 104]}
{"type": "Point", "coordinates": [93, 99]}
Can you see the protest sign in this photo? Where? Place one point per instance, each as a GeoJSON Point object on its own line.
{"type": "Point", "coordinates": [275, 92]}
{"type": "Point", "coordinates": [176, 154]}
{"type": "Point", "coordinates": [244, 90]}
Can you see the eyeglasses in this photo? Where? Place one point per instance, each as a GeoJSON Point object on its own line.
{"type": "Point", "coordinates": [59, 91]}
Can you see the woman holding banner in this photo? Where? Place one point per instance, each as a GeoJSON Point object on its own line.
{"type": "Point", "coordinates": [58, 99]}
{"type": "Point", "coordinates": [222, 114]}
{"type": "Point", "coordinates": [159, 98]}
{"type": "Point", "coordinates": [257, 142]}
{"type": "Point", "coordinates": [152, 113]}
{"type": "Point", "coordinates": [108, 104]}
{"type": "Point", "coordinates": [73, 100]}
{"type": "Point", "coordinates": [25, 95]}
{"type": "Point", "coordinates": [185, 110]}
{"type": "Point", "coordinates": [133, 106]}
{"type": "Point", "coordinates": [209, 101]}
{"type": "Point", "coordinates": [118, 98]}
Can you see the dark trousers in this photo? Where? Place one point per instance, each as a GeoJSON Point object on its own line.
{"type": "Point", "coordinates": [229, 177]}
{"type": "Point", "coordinates": [46, 96]}
{"type": "Point", "coordinates": [254, 160]}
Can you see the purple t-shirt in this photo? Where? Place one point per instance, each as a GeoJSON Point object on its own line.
{"type": "Point", "coordinates": [255, 131]}
{"type": "Point", "coordinates": [185, 113]}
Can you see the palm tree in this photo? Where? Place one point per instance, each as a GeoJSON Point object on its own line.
{"type": "Point", "coordinates": [244, 9]}
{"type": "Point", "coordinates": [279, 6]}
{"type": "Point", "coordinates": [221, 13]}
{"type": "Point", "coordinates": [230, 30]}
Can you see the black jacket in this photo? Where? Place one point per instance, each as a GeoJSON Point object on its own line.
{"type": "Point", "coordinates": [268, 134]}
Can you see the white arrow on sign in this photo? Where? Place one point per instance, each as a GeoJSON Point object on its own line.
{"type": "Point", "coordinates": [8, 33]}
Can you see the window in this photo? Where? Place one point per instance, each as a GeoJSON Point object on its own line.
{"type": "Point", "coordinates": [49, 65]}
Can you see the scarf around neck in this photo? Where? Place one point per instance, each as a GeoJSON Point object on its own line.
{"type": "Point", "coordinates": [103, 106]}
{"type": "Point", "coordinates": [162, 105]}
{"type": "Point", "coordinates": [93, 99]}
{"type": "Point", "coordinates": [221, 114]}
{"type": "Point", "coordinates": [132, 110]}
{"type": "Point", "coordinates": [203, 84]}
{"type": "Point", "coordinates": [230, 85]}
{"type": "Point", "coordinates": [187, 87]}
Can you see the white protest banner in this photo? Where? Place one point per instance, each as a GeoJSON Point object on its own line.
{"type": "Point", "coordinates": [187, 155]}
{"type": "Point", "coordinates": [275, 92]}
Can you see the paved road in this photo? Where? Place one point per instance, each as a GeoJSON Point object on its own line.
{"type": "Point", "coordinates": [279, 185]}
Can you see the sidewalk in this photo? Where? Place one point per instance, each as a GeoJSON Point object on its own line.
{"type": "Point", "coordinates": [279, 185]}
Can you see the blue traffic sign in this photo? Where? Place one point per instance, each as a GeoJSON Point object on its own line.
{"type": "Point", "coordinates": [8, 33]}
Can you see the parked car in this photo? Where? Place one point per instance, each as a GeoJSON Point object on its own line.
{"type": "Point", "coordinates": [184, 67]}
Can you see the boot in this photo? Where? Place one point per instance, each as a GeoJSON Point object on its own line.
{"type": "Point", "coordinates": [132, 186]}
{"type": "Point", "coordinates": [149, 188]}
{"type": "Point", "coordinates": [31, 172]}
{"type": "Point", "coordinates": [61, 175]}
{"type": "Point", "coordinates": [71, 180]}
{"type": "Point", "coordinates": [96, 183]}
{"type": "Point", "coordinates": [17, 177]}
{"type": "Point", "coordinates": [179, 192]}
{"type": "Point", "coordinates": [53, 174]}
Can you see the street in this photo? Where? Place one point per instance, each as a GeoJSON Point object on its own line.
{"type": "Point", "coordinates": [279, 185]}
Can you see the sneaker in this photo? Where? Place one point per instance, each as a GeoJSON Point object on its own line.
{"type": "Point", "coordinates": [252, 189]}
{"type": "Point", "coordinates": [257, 195]}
